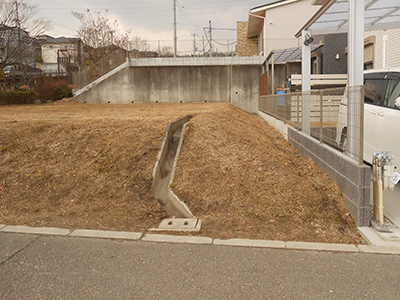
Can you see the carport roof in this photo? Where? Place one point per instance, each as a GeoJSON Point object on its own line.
{"type": "Point", "coordinates": [288, 55]}
{"type": "Point", "coordinates": [332, 17]}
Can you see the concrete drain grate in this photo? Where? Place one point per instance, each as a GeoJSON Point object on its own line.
{"type": "Point", "coordinates": [178, 224]}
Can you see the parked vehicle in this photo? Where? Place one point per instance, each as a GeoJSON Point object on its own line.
{"type": "Point", "coordinates": [16, 71]}
{"type": "Point", "coordinates": [11, 71]}
{"type": "Point", "coordinates": [381, 114]}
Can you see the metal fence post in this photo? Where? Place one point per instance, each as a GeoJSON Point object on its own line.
{"type": "Point", "coordinates": [298, 111]}
{"type": "Point", "coordinates": [321, 113]}
{"type": "Point", "coordinates": [361, 110]}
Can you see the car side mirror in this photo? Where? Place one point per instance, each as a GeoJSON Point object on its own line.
{"type": "Point", "coordinates": [397, 103]}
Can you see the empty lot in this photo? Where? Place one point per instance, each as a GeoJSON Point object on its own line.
{"type": "Point", "coordinates": [90, 166]}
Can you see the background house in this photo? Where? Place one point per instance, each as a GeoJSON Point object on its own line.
{"type": "Point", "coordinates": [64, 52]}
{"type": "Point", "coordinates": [16, 47]}
{"type": "Point", "coordinates": [273, 26]}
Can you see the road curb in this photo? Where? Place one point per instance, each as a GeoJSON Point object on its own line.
{"type": "Point", "coordinates": [36, 230]}
{"type": "Point", "coordinates": [149, 237]}
{"type": "Point", "coordinates": [250, 243]}
{"type": "Point", "coordinates": [106, 234]}
{"type": "Point", "coordinates": [322, 247]}
{"type": "Point", "coordinates": [179, 239]}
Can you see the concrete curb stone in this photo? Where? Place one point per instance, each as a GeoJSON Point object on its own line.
{"type": "Point", "coordinates": [321, 246]}
{"type": "Point", "coordinates": [176, 239]}
{"type": "Point", "coordinates": [36, 230]}
{"type": "Point", "coordinates": [386, 248]}
{"type": "Point", "coordinates": [250, 243]}
{"type": "Point", "coordinates": [380, 250]}
{"type": "Point", "coordinates": [107, 234]}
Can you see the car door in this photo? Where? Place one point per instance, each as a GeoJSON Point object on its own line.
{"type": "Point", "coordinates": [374, 96]}
{"type": "Point", "coordinates": [389, 137]}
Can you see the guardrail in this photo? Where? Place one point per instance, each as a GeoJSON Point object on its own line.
{"type": "Point", "coordinates": [331, 119]}
{"type": "Point", "coordinates": [90, 74]}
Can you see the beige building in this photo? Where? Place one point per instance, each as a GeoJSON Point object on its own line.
{"type": "Point", "coordinates": [67, 50]}
{"type": "Point", "coordinates": [273, 26]}
{"type": "Point", "coordinates": [381, 49]}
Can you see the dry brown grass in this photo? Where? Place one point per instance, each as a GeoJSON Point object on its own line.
{"type": "Point", "coordinates": [90, 166]}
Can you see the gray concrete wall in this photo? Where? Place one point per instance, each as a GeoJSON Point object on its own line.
{"type": "Point", "coordinates": [353, 179]}
{"type": "Point", "coordinates": [236, 84]}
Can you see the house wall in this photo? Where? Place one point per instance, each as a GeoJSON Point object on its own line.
{"type": "Point", "coordinates": [245, 46]}
{"type": "Point", "coordinates": [282, 23]}
{"type": "Point", "coordinates": [392, 47]}
{"type": "Point", "coordinates": [49, 52]}
{"type": "Point", "coordinates": [334, 44]}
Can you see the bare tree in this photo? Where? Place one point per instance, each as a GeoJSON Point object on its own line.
{"type": "Point", "coordinates": [18, 28]}
{"type": "Point", "coordinates": [139, 44]}
{"type": "Point", "coordinates": [100, 34]}
{"type": "Point", "coordinates": [166, 51]}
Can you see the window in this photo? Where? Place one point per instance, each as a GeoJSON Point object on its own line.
{"type": "Point", "coordinates": [368, 65]}
{"type": "Point", "coordinates": [392, 93]}
{"type": "Point", "coordinates": [64, 60]}
{"type": "Point", "coordinates": [374, 91]}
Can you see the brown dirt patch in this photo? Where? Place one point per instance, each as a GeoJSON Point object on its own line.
{"type": "Point", "coordinates": [90, 166]}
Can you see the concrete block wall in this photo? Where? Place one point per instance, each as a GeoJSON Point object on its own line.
{"type": "Point", "coordinates": [175, 81]}
{"type": "Point", "coordinates": [353, 179]}
{"type": "Point", "coordinates": [245, 46]}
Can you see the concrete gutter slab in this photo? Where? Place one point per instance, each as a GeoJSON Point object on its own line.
{"type": "Point", "coordinates": [35, 230]}
{"type": "Point", "coordinates": [176, 239]}
{"type": "Point", "coordinates": [2, 226]}
{"type": "Point", "coordinates": [107, 234]}
{"type": "Point", "coordinates": [178, 224]}
{"type": "Point", "coordinates": [370, 236]}
{"type": "Point", "coordinates": [250, 243]}
{"type": "Point", "coordinates": [321, 246]}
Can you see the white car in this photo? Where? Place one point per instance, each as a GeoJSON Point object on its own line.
{"type": "Point", "coordinates": [381, 114]}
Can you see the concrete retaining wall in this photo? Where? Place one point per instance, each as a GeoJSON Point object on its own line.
{"type": "Point", "coordinates": [352, 179]}
{"type": "Point", "coordinates": [232, 81]}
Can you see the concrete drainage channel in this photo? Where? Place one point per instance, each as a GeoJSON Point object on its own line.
{"type": "Point", "coordinates": [163, 176]}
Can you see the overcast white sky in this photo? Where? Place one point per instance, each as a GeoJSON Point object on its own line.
{"type": "Point", "coordinates": [153, 19]}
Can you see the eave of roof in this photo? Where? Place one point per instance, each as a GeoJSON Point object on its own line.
{"type": "Point", "coordinates": [257, 15]}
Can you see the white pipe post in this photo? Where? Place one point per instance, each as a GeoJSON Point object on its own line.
{"type": "Point", "coordinates": [355, 66]}
{"type": "Point", "coordinates": [306, 81]}
{"type": "Point", "coordinates": [175, 36]}
{"type": "Point", "coordinates": [384, 51]}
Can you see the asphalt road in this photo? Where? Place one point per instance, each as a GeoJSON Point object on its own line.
{"type": "Point", "coordinates": [54, 267]}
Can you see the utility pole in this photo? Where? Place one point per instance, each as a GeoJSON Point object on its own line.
{"type": "Point", "coordinates": [175, 38]}
{"type": "Point", "coordinates": [18, 25]}
{"type": "Point", "coordinates": [204, 50]}
{"type": "Point", "coordinates": [112, 36]}
{"type": "Point", "coordinates": [210, 39]}
{"type": "Point", "coordinates": [194, 43]}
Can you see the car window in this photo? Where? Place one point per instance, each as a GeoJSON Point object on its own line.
{"type": "Point", "coordinates": [392, 93]}
{"type": "Point", "coordinates": [374, 91]}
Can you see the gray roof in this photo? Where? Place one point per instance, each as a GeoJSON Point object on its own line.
{"type": "Point", "coordinates": [61, 40]}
